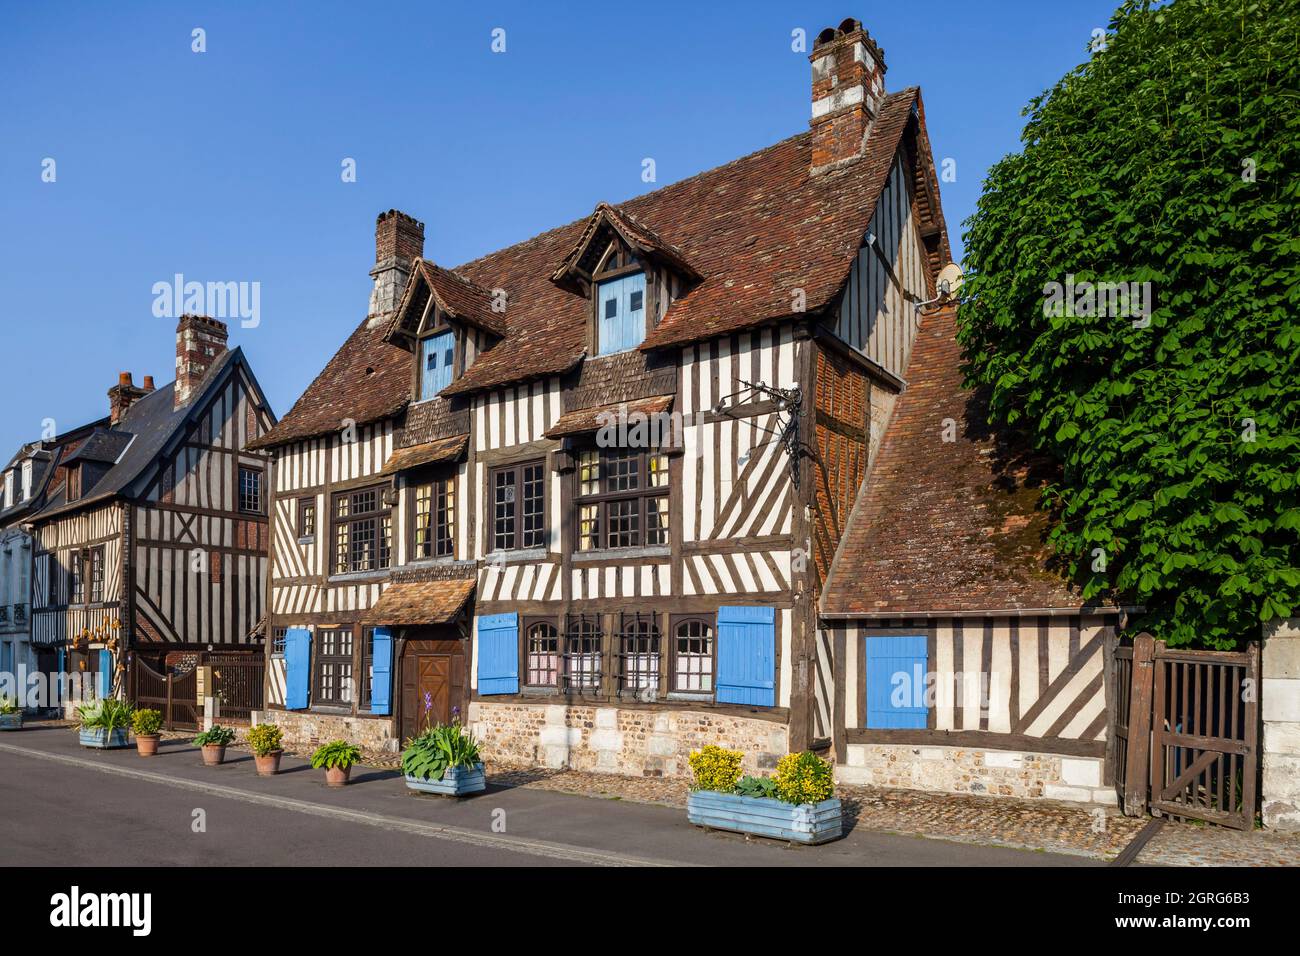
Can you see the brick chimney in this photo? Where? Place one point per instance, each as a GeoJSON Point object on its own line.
{"type": "Point", "coordinates": [124, 394]}
{"type": "Point", "coordinates": [399, 240]}
{"type": "Point", "coordinates": [200, 341]}
{"type": "Point", "coordinates": [848, 84]}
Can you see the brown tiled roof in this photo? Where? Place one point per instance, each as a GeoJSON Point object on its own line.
{"type": "Point", "coordinates": [408, 603]}
{"type": "Point", "coordinates": [428, 453]}
{"type": "Point", "coordinates": [757, 229]}
{"type": "Point", "coordinates": [458, 296]}
{"type": "Point", "coordinates": [946, 526]}
{"type": "Point", "coordinates": [585, 420]}
{"type": "Point", "coordinates": [642, 238]}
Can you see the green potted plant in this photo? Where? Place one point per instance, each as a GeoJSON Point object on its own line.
{"type": "Point", "coordinates": [213, 743]}
{"type": "Point", "coordinates": [444, 760]}
{"type": "Point", "coordinates": [103, 723]}
{"type": "Point", "coordinates": [337, 757]}
{"type": "Point", "coordinates": [146, 723]}
{"type": "Point", "coordinates": [265, 740]}
{"type": "Point", "coordinates": [796, 804]}
{"type": "Point", "coordinates": [11, 716]}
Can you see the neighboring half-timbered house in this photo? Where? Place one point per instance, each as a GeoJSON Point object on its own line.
{"type": "Point", "coordinates": [153, 540]}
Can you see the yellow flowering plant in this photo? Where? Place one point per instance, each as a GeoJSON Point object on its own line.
{"type": "Point", "coordinates": [716, 768]}
{"type": "Point", "coordinates": [804, 778]}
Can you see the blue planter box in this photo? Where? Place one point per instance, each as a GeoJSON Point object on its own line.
{"type": "Point", "coordinates": [456, 782]}
{"type": "Point", "coordinates": [100, 738]}
{"type": "Point", "coordinates": [762, 816]}
{"type": "Point", "coordinates": [11, 721]}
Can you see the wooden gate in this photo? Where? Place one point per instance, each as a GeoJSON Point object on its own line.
{"type": "Point", "coordinates": [173, 697]}
{"type": "Point", "coordinates": [1187, 732]}
{"type": "Point", "coordinates": [238, 679]}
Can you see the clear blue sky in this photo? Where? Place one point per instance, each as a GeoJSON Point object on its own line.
{"type": "Point", "coordinates": [225, 165]}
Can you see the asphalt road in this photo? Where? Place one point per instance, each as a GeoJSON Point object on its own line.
{"type": "Point", "coordinates": [60, 805]}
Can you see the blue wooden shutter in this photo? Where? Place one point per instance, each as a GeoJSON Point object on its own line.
{"type": "Point", "coordinates": [609, 301]}
{"type": "Point", "coordinates": [297, 667]}
{"type": "Point", "coordinates": [747, 655]}
{"type": "Point", "coordinates": [436, 355]}
{"type": "Point", "coordinates": [633, 319]}
{"type": "Point", "coordinates": [106, 671]}
{"type": "Point", "coordinates": [498, 654]}
{"type": "Point", "coordinates": [381, 670]}
{"type": "Point", "coordinates": [896, 669]}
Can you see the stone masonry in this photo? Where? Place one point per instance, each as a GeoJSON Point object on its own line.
{"type": "Point", "coordinates": [305, 730]}
{"type": "Point", "coordinates": [1280, 705]}
{"type": "Point", "coordinates": [637, 742]}
{"type": "Point", "coordinates": [998, 773]}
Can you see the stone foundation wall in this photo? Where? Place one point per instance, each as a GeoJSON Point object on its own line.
{"type": "Point", "coordinates": [637, 742]}
{"type": "Point", "coordinates": [999, 773]}
{"type": "Point", "coordinates": [304, 730]}
{"type": "Point", "coordinates": [1279, 703]}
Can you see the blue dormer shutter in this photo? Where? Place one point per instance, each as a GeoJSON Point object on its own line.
{"type": "Point", "coordinates": [621, 317]}
{"type": "Point", "coordinates": [297, 663]}
{"type": "Point", "coordinates": [381, 670]}
{"type": "Point", "coordinates": [498, 653]}
{"type": "Point", "coordinates": [437, 353]}
{"type": "Point", "coordinates": [896, 668]}
{"type": "Point", "coordinates": [747, 656]}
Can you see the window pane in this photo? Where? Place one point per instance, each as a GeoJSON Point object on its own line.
{"type": "Point", "coordinates": [589, 473]}
{"type": "Point", "coordinates": [639, 650]}
{"type": "Point", "coordinates": [534, 532]}
{"type": "Point", "coordinates": [504, 510]}
{"type": "Point", "coordinates": [624, 523]}
{"type": "Point", "coordinates": [582, 655]}
{"type": "Point", "coordinates": [657, 520]}
{"type": "Point", "coordinates": [445, 526]}
{"type": "Point", "coordinates": [693, 661]}
{"type": "Point", "coordinates": [423, 520]}
{"type": "Point", "coordinates": [588, 527]}
{"type": "Point", "coordinates": [543, 655]}
{"type": "Point", "coordinates": [623, 469]}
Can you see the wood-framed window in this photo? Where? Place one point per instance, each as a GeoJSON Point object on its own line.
{"type": "Point", "coordinates": [620, 294]}
{"type": "Point", "coordinates": [584, 645]}
{"type": "Point", "coordinates": [77, 573]}
{"type": "Point", "coordinates": [622, 499]}
{"type": "Point", "coordinates": [638, 654]}
{"type": "Point", "coordinates": [96, 562]}
{"type": "Point", "coordinates": [434, 533]}
{"type": "Point", "coordinates": [306, 517]}
{"type": "Point", "coordinates": [518, 496]}
{"type": "Point", "coordinates": [55, 567]}
{"type": "Point", "coordinates": [541, 653]}
{"type": "Point", "coordinates": [333, 667]}
{"type": "Point", "coordinates": [694, 654]}
{"type": "Point", "coordinates": [363, 530]}
{"type": "Point", "coordinates": [250, 490]}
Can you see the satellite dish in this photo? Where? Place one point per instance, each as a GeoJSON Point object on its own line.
{"type": "Point", "coordinates": [950, 279]}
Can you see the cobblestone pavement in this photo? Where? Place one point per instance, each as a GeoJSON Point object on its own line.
{"type": "Point", "coordinates": [990, 821]}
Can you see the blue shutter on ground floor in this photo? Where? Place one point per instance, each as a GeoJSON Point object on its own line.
{"type": "Point", "coordinates": [297, 667]}
{"type": "Point", "coordinates": [105, 673]}
{"type": "Point", "coordinates": [381, 670]}
{"type": "Point", "coordinates": [747, 655]}
{"type": "Point", "coordinates": [498, 654]}
{"type": "Point", "coordinates": [896, 685]}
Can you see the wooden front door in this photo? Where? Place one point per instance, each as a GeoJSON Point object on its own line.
{"type": "Point", "coordinates": [433, 683]}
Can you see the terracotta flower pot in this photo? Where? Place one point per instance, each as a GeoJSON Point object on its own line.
{"type": "Point", "coordinates": [337, 776]}
{"type": "Point", "coordinates": [213, 754]}
{"type": "Point", "coordinates": [268, 765]}
{"type": "Point", "coordinates": [147, 744]}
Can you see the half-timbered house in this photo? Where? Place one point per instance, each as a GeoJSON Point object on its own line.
{"type": "Point", "coordinates": [152, 543]}
{"type": "Point", "coordinates": [586, 491]}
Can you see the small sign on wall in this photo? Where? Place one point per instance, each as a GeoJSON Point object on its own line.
{"type": "Point", "coordinates": [203, 687]}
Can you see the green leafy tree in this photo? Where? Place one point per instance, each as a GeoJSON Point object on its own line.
{"type": "Point", "coordinates": [1170, 157]}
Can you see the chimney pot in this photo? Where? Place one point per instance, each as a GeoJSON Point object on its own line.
{"type": "Point", "coordinates": [148, 383]}
{"type": "Point", "coordinates": [200, 341]}
{"type": "Point", "coordinates": [122, 396]}
{"type": "Point", "coordinates": [399, 241]}
{"type": "Point", "coordinates": [848, 84]}
{"type": "Point", "coordinates": [124, 378]}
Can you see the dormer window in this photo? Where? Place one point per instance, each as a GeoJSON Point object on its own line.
{"type": "Point", "coordinates": [437, 358]}
{"type": "Point", "coordinates": [620, 302]}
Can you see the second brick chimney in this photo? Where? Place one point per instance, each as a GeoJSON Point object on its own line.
{"type": "Point", "coordinates": [124, 394]}
{"type": "Point", "coordinates": [848, 84]}
{"type": "Point", "coordinates": [399, 241]}
{"type": "Point", "coordinates": [200, 341]}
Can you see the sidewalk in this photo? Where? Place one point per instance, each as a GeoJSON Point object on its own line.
{"type": "Point", "coordinates": [621, 803]}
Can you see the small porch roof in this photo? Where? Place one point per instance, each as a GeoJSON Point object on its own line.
{"type": "Point", "coordinates": [408, 603]}
{"type": "Point", "coordinates": [427, 453]}
{"type": "Point", "coordinates": [584, 420]}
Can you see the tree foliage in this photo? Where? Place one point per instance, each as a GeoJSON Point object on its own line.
{"type": "Point", "coordinates": [1170, 157]}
